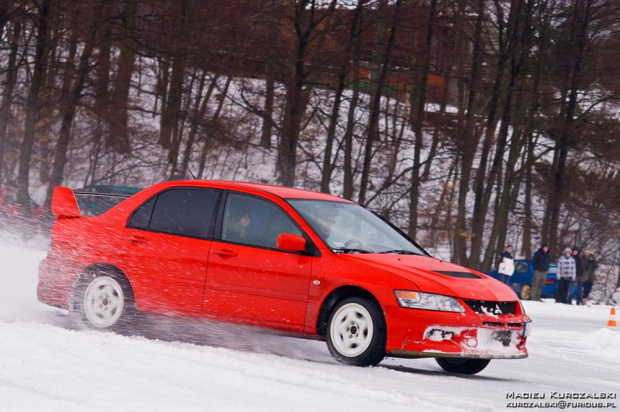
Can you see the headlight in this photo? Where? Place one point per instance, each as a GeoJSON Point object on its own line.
{"type": "Point", "coordinates": [527, 329]}
{"type": "Point", "coordinates": [429, 301]}
{"type": "Point", "coordinates": [522, 307]}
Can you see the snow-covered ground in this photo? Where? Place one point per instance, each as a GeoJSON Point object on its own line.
{"type": "Point", "coordinates": [47, 364]}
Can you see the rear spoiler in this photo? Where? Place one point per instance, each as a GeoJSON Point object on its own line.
{"type": "Point", "coordinates": [64, 203]}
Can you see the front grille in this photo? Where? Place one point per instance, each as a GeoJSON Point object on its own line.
{"type": "Point", "coordinates": [499, 324]}
{"type": "Point", "coordinates": [488, 307]}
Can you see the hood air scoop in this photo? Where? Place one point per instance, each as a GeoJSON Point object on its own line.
{"type": "Point", "coordinates": [463, 275]}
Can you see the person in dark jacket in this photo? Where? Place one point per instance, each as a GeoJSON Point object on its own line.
{"type": "Point", "coordinates": [577, 282]}
{"type": "Point", "coordinates": [566, 275]}
{"type": "Point", "coordinates": [540, 261]}
{"type": "Point", "coordinates": [589, 267]}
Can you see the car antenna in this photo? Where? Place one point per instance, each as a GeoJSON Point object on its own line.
{"type": "Point", "coordinates": [188, 168]}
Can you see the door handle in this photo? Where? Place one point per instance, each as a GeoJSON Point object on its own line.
{"type": "Point", "coordinates": [138, 239]}
{"type": "Point", "coordinates": [225, 253]}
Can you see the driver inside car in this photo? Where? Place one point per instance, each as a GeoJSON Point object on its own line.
{"type": "Point", "coordinates": [238, 223]}
{"type": "Point", "coordinates": [325, 218]}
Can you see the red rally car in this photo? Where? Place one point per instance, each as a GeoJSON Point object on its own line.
{"type": "Point", "coordinates": [304, 262]}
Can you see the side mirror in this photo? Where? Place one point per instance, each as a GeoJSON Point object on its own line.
{"type": "Point", "coordinates": [291, 243]}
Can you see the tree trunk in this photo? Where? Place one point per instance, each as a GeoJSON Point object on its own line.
{"type": "Point", "coordinates": [342, 77]}
{"type": "Point", "coordinates": [417, 120]}
{"type": "Point", "coordinates": [375, 105]}
{"type": "Point", "coordinates": [73, 98]}
{"type": "Point", "coordinates": [305, 23]}
{"type": "Point", "coordinates": [531, 141]}
{"type": "Point", "coordinates": [214, 119]}
{"type": "Point", "coordinates": [347, 188]}
{"type": "Point", "coordinates": [272, 37]}
{"type": "Point", "coordinates": [580, 24]}
{"type": "Point", "coordinates": [520, 37]}
{"type": "Point", "coordinates": [468, 142]}
{"type": "Point", "coordinates": [481, 204]}
{"type": "Point", "coordinates": [171, 111]}
{"type": "Point", "coordinates": [198, 115]}
{"type": "Point", "coordinates": [267, 127]}
{"type": "Point", "coordinates": [102, 91]}
{"type": "Point", "coordinates": [527, 207]}
{"type": "Point", "coordinates": [32, 101]}
{"type": "Point", "coordinates": [7, 92]}
{"type": "Point", "coordinates": [118, 138]}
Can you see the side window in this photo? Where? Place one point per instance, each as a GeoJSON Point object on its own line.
{"type": "Point", "coordinates": [142, 216]}
{"type": "Point", "coordinates": [255, 222]}
{"type": "Point", "coordinates": [521, 267]}
{"type": "Point", "coordinates": [186, 212]}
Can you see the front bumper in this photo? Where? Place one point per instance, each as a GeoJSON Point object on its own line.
{"type": "Point", "coordinates": [419, 333]}
{"type": "Point", "coordinates": [474, 343]}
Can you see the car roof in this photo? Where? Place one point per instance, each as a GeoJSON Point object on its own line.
{"type": "Point", "coordinates": [280, 191]}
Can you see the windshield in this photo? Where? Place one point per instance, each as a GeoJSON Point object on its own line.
{"type": "Point", "coordinates": [349, 228]}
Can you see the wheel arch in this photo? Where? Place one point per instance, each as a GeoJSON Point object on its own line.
{"type": "Point", "coordinates": [337, 295]}
{"type": "Point", "coordinates": [103, 267]}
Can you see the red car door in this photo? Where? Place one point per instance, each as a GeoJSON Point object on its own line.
{"type": "Point", "coordinates": [165, 248]}
{"type": "Point", "coordinates": [248, 277]}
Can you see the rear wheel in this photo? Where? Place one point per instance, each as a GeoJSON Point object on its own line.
{"type": "Point", "coordinates": [463, 366]}
{"type": "Point", "coordinates": [103, 300]}
{"type": "Point", "coordinates": [526, 292]}
{"type": "Point", "coordinates": [356, 332]}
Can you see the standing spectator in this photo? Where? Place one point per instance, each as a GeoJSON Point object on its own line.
{"type": "Point", "coordinates": [506, 265]}
{"type": "Point", "coordinates": [589, 267]}
{"type": "Point", "coordinates": [566, 275]}
{"type": "Point", "coordinates": [578, 274]}
{"type": "Point", "coordinates": [582, 277]}
{"type": "Point", "coordinates": [541, 261]}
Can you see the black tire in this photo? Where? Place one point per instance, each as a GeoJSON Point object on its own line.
{"type": "Point", "coordinates": [103, 300]}
{"type": "Point", "coordinates": [462, 366]}
{"type": "Point", "coordinates": [356, 332]}
{"type": "Point", "coordinates": [526, 292]}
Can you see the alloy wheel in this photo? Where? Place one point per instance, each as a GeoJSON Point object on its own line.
{"type": "Point", "coordinates": [103, 301]}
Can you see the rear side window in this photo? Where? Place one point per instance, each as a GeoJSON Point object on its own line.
{"type": "Point", "coordinates": [185, 212]}
{"type": "Point", "coordinates": [141, 217]}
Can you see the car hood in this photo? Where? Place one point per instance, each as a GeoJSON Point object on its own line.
{"type": "Point", "coordinates": [425, 273]}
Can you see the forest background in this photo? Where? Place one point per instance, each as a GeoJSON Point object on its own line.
{"type": "Point", "coordinates": [470, 124]}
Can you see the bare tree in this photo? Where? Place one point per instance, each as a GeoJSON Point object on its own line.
{"type": "Point", "coordinates": [118, 132]}
{"type": "Point", "coordinates": [306, 18]}
{"type": "Point", "coordinates": [376, 93]}
{"type": "Point", "coordinates": [39, 67]}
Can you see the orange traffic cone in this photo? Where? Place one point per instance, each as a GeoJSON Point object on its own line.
{"type": "Point", "coordinates": [612, 322]}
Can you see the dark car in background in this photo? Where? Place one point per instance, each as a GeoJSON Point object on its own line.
{"type": "Point", "coordinates": [10, 208]}
{"type": "Point", "coordinates": [521, 280]}
{"type": "Point", "coordinates": [94, 200]}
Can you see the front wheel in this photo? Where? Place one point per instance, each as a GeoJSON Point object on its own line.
{"type": "Point", "coordinates": [462, 366]}
{"type": "Point", "coordinates": [103, 300]}
{"type": "Point", "coordinates": [356, 332]}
